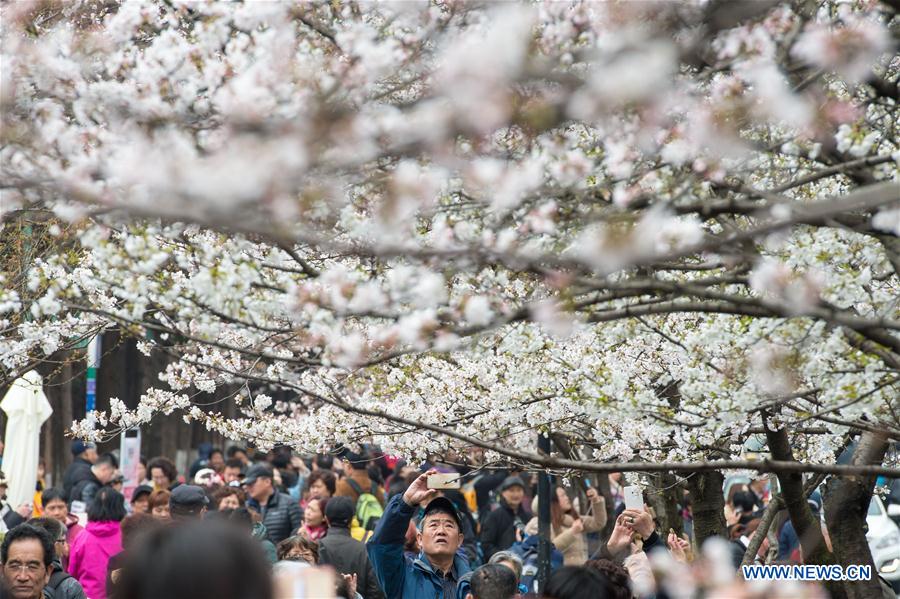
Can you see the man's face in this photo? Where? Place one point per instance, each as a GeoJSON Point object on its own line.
{"type": "Point", "coordinates": [141, 505]}
{"type": "Point", "coordinates": [90, 455]}
{"type": "Point", "coordinates": [57, 510]}
{"type": "Point", "coordinates": [513, 496]}
{"type": "Point", "coordinates": [231, 474]}
{"type": "Point", "coordinates": [440, 535]}
{"type": "Point", "coordinates": [260, 489]}
{"type": "Point", "coordinates": [159, 478]}
{"type": "Point", "coordinates": [104, 473]}
{"type": "Point", "coordinates": [216, 461]}
{"type": "Point", "coordinates": [24, 572]}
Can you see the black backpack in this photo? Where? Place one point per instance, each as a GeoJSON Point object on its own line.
{"type": "Point", "coordinates": [56, 579]}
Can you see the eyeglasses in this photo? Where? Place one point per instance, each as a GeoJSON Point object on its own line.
{"type": "Point", "coordinates": [299, 557]}
{"type": "Point", "coordinates": [29, 567]}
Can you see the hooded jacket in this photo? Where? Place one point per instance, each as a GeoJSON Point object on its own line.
{"type": "Point", "coordinates": [261, 534]}
{"type": "Point", "coordinates": [89, 555]}
{"type": "Point", "coordinates": [401, 578]}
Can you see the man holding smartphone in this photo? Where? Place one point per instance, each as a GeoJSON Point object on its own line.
{"type": "Point", "coordinates": [437, 570]}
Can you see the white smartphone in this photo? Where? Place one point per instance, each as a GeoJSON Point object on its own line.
{"type": "Point", "coordinates": [443, 481]}
{"type": "Point", "coordinates": [634, 499]}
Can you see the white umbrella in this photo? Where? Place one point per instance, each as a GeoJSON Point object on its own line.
{"type": "Point", "coordinates": [26, 408]}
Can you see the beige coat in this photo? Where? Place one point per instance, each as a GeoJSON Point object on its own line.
{"type": "Point", "coordinates": [573, 546]}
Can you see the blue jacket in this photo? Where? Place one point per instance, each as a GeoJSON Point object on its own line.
{"type": "Point", "coordinates": [402, 578]}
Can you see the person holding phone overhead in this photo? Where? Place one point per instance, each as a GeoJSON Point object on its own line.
{"type": "Point", "coordinates": [438, 570]}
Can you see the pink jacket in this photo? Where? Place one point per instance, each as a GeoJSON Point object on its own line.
{"type": "Point", "coordinates": [90, 553]}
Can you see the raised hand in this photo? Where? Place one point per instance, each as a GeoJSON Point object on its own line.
{"type": "Point", "coordinates": [418, 491]}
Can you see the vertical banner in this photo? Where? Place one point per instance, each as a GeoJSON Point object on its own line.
{"type": "Point", "coordinates": [93, 363]}
{"type": "Point", "coordinates": [130, 458]}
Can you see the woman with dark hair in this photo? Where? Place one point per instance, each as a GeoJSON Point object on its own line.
{"type": "Point", "coordinates": [314, 526]}
{"type": "Point", "coordinates": [578, 582]}
{"type": "Point", "coordinates": [197, 560]}
{"type": "Point", "coordinates": [321, 483]}
{"type": "Point", "coordinates": [567, 526]}
{"type": "Point", "coordinates": [101, 539]}
{"type": "Point", "coordinates": [163, 474]}
{"type": "Point", "coordinates": [298, 549]}
{"type": "Point", "coordinates": [228, 498]}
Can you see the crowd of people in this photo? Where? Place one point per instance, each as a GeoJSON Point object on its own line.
{"type": "Point", "coordinates": [355, 525]}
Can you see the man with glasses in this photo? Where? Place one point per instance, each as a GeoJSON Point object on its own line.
{"type": "Point", "coordinates": [61, 585]}
{"type": "Point", "coordinates": [27, 556]}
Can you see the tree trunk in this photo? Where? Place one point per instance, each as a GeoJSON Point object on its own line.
{"type": "Point", "coordinates": [806, 525]}
{"type": "Point", "coordinates": [708, 505]}
{"type": "Point", "coordinates": [666, 499]}
{"type": "Point", "coordinates": [846, 505]}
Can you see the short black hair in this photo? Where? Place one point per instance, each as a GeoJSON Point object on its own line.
{"type": "Point", "coordinates": [164, 464]}
{"type": "Point", "coordinates": [325, 461]}
{"type": "Point", "coordinates": [27, 531]}
{"type": "Point", "coordinates": [107, 458]}
{"type": "Point", "coordinates": [234, 463]}
{"type": "Point", "coordinates": [108, 505]}
{"type": "Point", "coordinates": [234, 450]}
{"type": "Point", "coordinates": [493, 581]}
{"type": "Point", "coordinates": [54, 527]}
{"type": "Point", "coordinates": [52, 494]}
{"type": "Point", "coordinates": [327, 477]}
{"type": "Point", "coordinates": [216, 450]}
{"type": "Point", "coordinates": [576, 582]}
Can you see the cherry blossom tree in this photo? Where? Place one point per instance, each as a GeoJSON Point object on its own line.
{"type": "Point", "coordinates": [652, 229]}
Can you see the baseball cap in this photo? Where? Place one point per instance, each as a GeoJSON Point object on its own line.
{"type": "Point", "coordinates": [79, 446]}
{"type": "Point", "coordinates": [512, 481]}
{"type": "Point", "coordinates": [140, 491]}
{"type": "Point", "coordinates": [339, 510]}
{"type": "Point", "coordinates": [257, 471]}
{"type": "Point", "coordinates": [189, 496]}
{"type": "Point", "coordinates": [440, 504]}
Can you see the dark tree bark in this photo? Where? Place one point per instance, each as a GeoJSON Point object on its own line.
{"type": "Point", "coordinates": [846, 504]}
{"type": "Point", "coordinates": [806, 525]}
{"type": "Point", "coordinates": [708, 505]}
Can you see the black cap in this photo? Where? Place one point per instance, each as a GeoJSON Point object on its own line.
{"type": "Point", "coordinates": [512, 481]}
{"type": "Point", "coordinates": [257, 471]}
{"type": "Point", "coordinates": [188, 496]}
{"type": "Point", "coordinates": [141, 490]}
{"type": "Point", "coordinates": [79, 446]}
{"type": "Point", "coordinates": [339, 511]}
{"type": "Point", "coordinates": [442, 504]}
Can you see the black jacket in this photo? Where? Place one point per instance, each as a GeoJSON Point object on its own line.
{"type": "Point", "coordinates": [85, 489]}
{"type": "Point", "coordinates": [498, 529]}
{"type": "Point", "coordinates": [348, 556]}
{"type": "Point", "coordinates": [62, 585]}
{"type": "Point", "coordinates": [281, 516]}
{"type": "Point", "coordinates": [77, 471]}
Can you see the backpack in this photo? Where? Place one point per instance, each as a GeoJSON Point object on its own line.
{"type": "Point", "coordinates": [528, 551]}
{"type": "Point", "coordinates": [368, 510]}
{"type": "Point", "coordinates": [56, 579]}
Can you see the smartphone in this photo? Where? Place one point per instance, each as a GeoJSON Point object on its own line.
{"type": "Point", "coordinates": [634, 499]}
{"type": "Point", "coordinates": [443, 481]}
{"type": "Point", "coordinates": [587, 483]}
